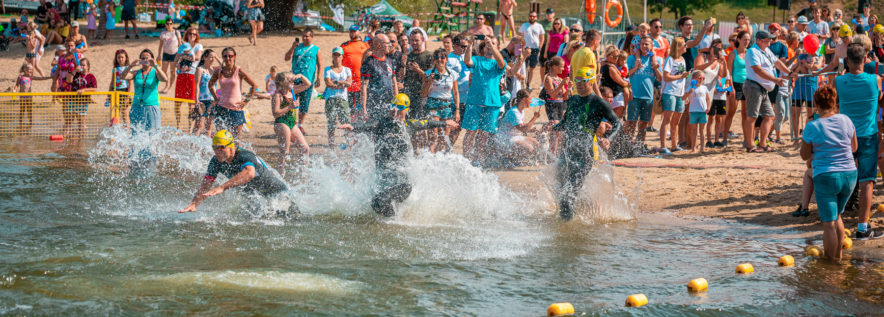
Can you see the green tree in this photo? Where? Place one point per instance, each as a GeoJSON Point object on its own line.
{"type": "Point", "coordinates": [680, 8]}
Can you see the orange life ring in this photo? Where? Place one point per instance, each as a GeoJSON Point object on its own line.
{"type": "Point", "coordinates": [616, 4]}
{"type": "Point", "coordinates": [589, 6]}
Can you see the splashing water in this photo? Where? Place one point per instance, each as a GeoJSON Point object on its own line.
{"type": "Point", "coordinates": [600, 200]}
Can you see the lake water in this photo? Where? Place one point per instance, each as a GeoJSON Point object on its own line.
{"type": "Point", "coordinates": [80, 236]}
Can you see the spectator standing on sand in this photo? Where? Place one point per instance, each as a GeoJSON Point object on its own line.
{"type": "Point", "coordinates": [829, 141]}
{"type": "Point", "coordinates": [661, 43]}
{"type": "Point", "coordinates": [256, 19]}
{"type": "Point", "coordinates": [457, 65]}
{"type": "Point", "coordinates": [505, 12]}
{"type": "Point", "coordinates": [170, 39]}
{"type": "Point", "coordinates": [483, 100]}
{"type": "Point", "coordinates": [480, 28]}
{"type": "Point", "coordinates": [534, 36]}
{"type": "Point", "coordinates": [644, 69]}
{"type": "Point", "coordinates": [761, 65]}
{"type": "Point", "coordinates": [128, 16]}
{"type": "Point", "coordinates": [354, 53]}
{"type": "Point", "coordinates": [864, 91]}
{"type": "Point", "coordinates": [419, 60]}
{"type": "Point", "coordinates": [337, 79]}
{"type": "Point", "coordinates": [818, 26]}
{"type": "Point", "coordinates": [378, 85]}
{"type": "Point", "coordinates": [229, 103]}
{"type": "Point", "coordinates": [807, 12]}
{"type": "Point", "coordinates": [305, 61]}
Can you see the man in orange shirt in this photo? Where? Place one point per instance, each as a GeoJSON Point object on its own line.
{"type": "Point", "coordinates": [661, 43]}
{"type": "Point", "coordinates": [354, 53]}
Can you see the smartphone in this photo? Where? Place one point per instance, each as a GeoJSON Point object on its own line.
{"type": "Point", "coordinates": [480, 37]}
{"type": "Point", "coordinates": [716, 52]}
{"type": "Point", "coordinates": [144, 62]}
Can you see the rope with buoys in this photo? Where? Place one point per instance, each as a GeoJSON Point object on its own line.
{"type": "Point", "coordinates": [616, 5]}
{"type": "Point", "coordinates": [589, 6]}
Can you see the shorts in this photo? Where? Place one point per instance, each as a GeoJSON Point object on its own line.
{"type": "Point", "coordinates": [354, 98]}
{"type": "Point", "coordinates": [618, 101]}
{"type": "Point", "coordinates": [698, 117]}
{"type": "Point", "coordinates": [719, 108]}
{"type": "Point", "coordinates": [738, 91]}
{"type": "Point", "coordinates": [832, 190]}
{"type": "Point", "coordinates": [866, 156]}
{"type": "Point", "coordinates": [228, 119]}
{"type": "Point", "coordinates": [555, 110]}
{"type": "Point", "coordinates": [336, 111]}
{"type": "Point", "coordinates": [254, 14]}
{"type": "Point", "coordinates": [440, 108]}
{"type": "Point", "coordinates": [304, 100]}
{"type": "Point", "coordinates": [757, 100]}
{"type": "Point", "coordinates": [533, 58]}
{"type": "Point", "coordinates": [185, 88]}
{"type": "Point", "coordinates": [205, 108]}
{"type": "Point", "coordinates": [482, 118]}
{"type": "Point", "coordinates": [77, 107]}
{"type": "Point", "coordinates": [672, 103]}
{"type": "Point", "coordinates": [639, 110]}
{"type": "Point", "coordinates": [145, 117]}
{"type": "Point", "coordinates": [168, 57]}
{"type": "Point", "coordinates": [128, 14]}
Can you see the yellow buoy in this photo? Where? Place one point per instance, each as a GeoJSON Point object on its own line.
{"type": "Point", "coordinates": [847, 233]}
{"type": "Point", "coordinates": [847, 243]}
{"type": "Point", "coordinates": [698, 285]}
{"type": "Point", "coordinates": [560, 309]}
{"type": "Point", "coordinates": [814, 251]}
{"type": "Point", "coordinates": [786, 260]}
{"type": "Point", "coordinates": [880, 207]}
{"type": "Point", "coordinates": [636, 300]}
{"type": "Point", "coordinates": [745, 268]}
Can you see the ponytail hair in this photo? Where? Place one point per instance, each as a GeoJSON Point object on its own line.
{"type": "Point", "coordinates": [204, 57]}
{"type": "Point", "coordinates": [555, 61]}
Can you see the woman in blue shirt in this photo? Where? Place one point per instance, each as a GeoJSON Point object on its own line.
{"type": "Point", "coordinates": [483, 98]}
{"type": "Point", "coordinates": [831, 141]}
{"type": "Point", "coordinates": [145, 112]}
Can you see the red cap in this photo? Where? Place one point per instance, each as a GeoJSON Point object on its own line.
{"type": "Point", "coordinates": [773, 27]}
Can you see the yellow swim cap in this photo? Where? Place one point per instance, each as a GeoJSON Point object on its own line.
{"type": "Point", "coordinates": [878, 29]}
{"type": "Point", "coordinates": [223, 138]}
{"type": "Point", "coordinates": [401, 102]}
{"type": "Point", "coordinates": [585, 72]}
{"type": "Point", "coordinates": [845, 31]}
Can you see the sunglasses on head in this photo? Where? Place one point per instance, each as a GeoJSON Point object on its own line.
{"type": "Point", "coordinates": [576, 30]}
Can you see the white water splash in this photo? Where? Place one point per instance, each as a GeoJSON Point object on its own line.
{"type": "Point", "coordinates": [273, 281]}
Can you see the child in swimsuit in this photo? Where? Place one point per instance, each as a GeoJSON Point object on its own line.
{"type": "Point", "coordinates": [285, 111]}
{"type": "Point", "coordinates": [26, 103]}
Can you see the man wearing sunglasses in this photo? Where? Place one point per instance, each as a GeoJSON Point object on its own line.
{"type": "Point", "coordinates": [242, 168]}
{"type": "Point", "coordinates": [588, 125]}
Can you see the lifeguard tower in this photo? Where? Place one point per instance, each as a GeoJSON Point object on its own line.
{"type": "Point", "coordinates": [451, 14]}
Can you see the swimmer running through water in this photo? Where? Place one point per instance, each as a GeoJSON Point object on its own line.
{"type": "Point", "coordinates": [584, 132]}
{"type": "Point", "coordinates": [241, 167]}
{"type": "Point", "coordinates": [392, 137]}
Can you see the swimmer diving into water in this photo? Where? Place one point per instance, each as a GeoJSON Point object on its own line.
{"type": "Point", "coordinates": [392, 135]}
{"type": "Point", "coordinates": [584, 132]}
{"type": "Point", "coordinates": [241, 167]}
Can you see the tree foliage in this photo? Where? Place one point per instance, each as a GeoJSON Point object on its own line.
{"type": "Point", "coordinates": [681, 8]}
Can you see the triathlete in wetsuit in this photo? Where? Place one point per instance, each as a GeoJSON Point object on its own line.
{"type": "Point", "coordinates": [241, 167]}
{"type": "Point", "coordinates": [392, 135]}
{"type": "Point", "coordinates": [584, 132]}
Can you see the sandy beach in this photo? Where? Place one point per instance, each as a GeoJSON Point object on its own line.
{"type": "Point", "coordinates": [758, 188]}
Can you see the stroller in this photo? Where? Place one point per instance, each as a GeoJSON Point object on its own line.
{"type": "Point", "coordinates": [225, 19]}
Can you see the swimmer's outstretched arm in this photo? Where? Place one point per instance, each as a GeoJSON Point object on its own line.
{"type": "Point", "coordinates": [243, 177]}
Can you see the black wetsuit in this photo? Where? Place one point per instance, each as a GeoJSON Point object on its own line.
{"type": "Point", "coordinates": [392, 149]}
{"type": "Point", "coordinates": [264, 182]}
{"type": "Point", "coordinates": [585, 114]}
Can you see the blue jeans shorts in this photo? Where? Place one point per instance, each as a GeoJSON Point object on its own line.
{"type": "Point", "coordinates": [672, 103]}
{"type": "Point", "coordinates": [866, 156]}
{"type": "Point", "coordinates": [439, 108]}
{"type": "Point", "coordinates": [639, 110]}
{"type": "Point", "coordinates": [832, 190]}
{"type": "Point", "coordinates": [481, 118]}
{"type": "Point", "coordinates": [228, 119]}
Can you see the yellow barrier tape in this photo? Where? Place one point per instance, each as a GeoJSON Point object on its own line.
{"type": "Point", "coordinates": [78, 114]}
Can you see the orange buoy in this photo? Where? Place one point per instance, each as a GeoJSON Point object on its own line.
{"type": "Point", "coordinates": [56, 137]}
{"type": "Point", "coordinates": [619, 18]}
{"type": "Point", "coordinates": [589, 6]}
